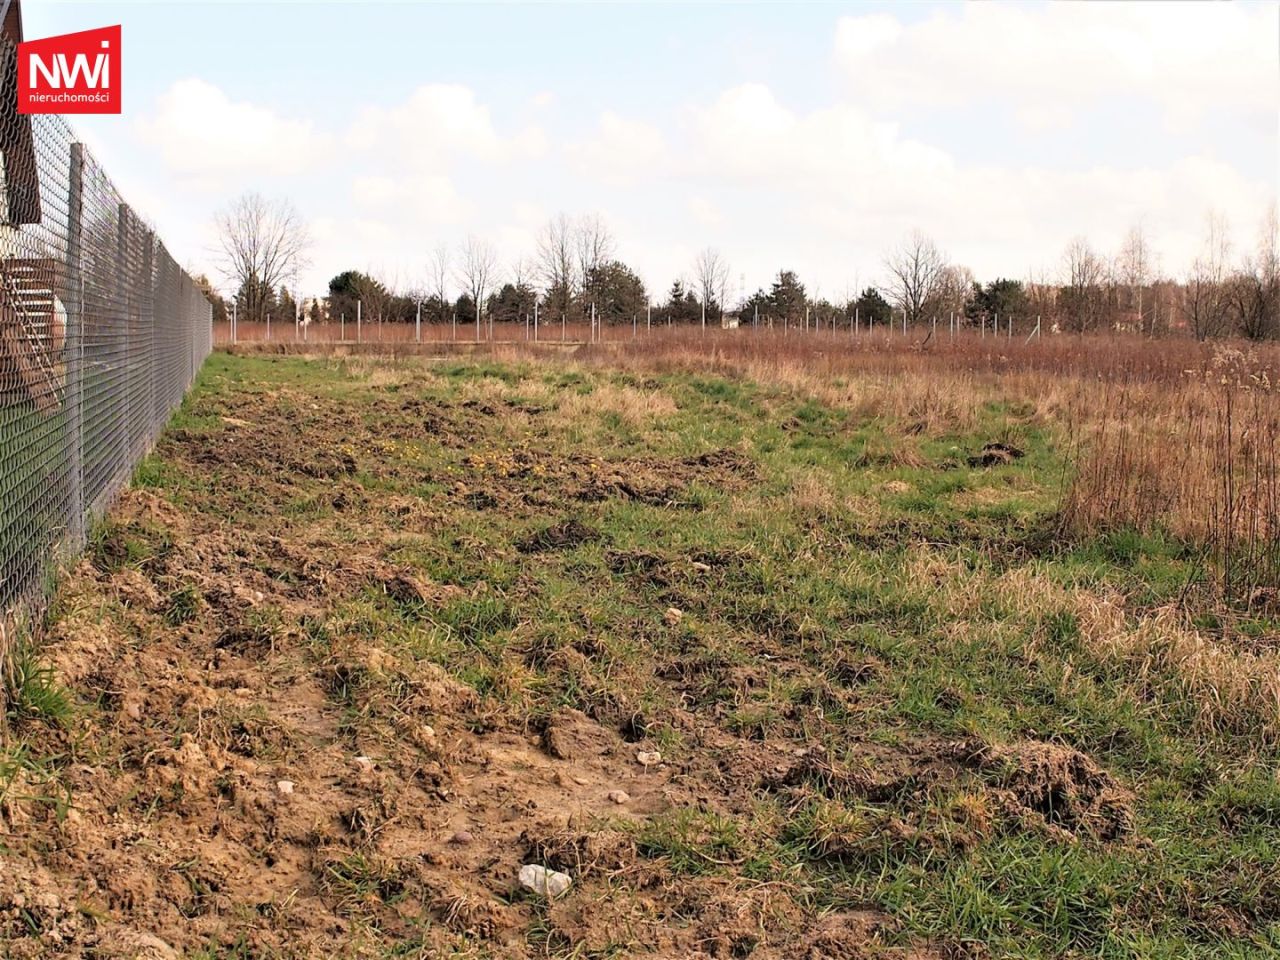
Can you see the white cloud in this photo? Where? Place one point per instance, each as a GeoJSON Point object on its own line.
{"type": "Point", "coordinates": [835, 185]}
{"type": "Point", "coordinates": [202, 135]}
{"type": "Point", "coordinates": [1186, 57]}
{"type": "Point", "coordinates": [748, 132]}
{"type": "Point", "coordinates": [437, 125]}
{"type": "Point", "coordinates": [704, 212]}
{"type": "Point", "coordinates": [620, 150]}
{"type": "Point", "coordinates": [427, 198]}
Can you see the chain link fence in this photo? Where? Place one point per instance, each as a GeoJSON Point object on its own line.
{"type": "Point", "coordinates": [101, 333]}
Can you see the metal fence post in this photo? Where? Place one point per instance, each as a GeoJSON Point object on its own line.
{"type": "Point", "coordinates": [148, 432]}
{"type": "Point", "coordinates": [75, 344]}
{"type": "Point", "coordinates": [124, 290]}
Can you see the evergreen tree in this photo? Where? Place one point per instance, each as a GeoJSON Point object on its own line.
{"type": "Point", "coordinates": [465, 309]}
{"type": "Point", "coordinates": [873, 308]}
{"type": "Point", "coordinates": [998, 298]}
{"type": "Point", "coordinates": [619, 291]}
{"type": "Point", "coordinates": [512, 304]}
{"type": "Point", "coordinates": [254, 300]}
{"type": "Point", "coordinates": [351, 287]}
{"type": "Point", "coordinates": [787, 297]}
{"type": "Point", "coordinates": [287, 305]}
{"type": "Point", "coordinates": [682, 305]}
{"type": "Point", "coordinates": [757, 309]}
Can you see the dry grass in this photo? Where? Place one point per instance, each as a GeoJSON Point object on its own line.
{"type": "Point", "coordinates": [1233, 691]}
{"type": "Point", "coordinates": [1157, 655]}
{"type": "Point", "coordinates": [633, 408]}
{"type": "Point", "coordinates": [1198, 458]}
{"type": "Point", "coordinates": [1169, 436]}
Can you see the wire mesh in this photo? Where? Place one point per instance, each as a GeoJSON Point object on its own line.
{"type": "Point", "coordinates": [101, 333]}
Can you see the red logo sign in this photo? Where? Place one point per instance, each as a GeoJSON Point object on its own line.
{"type": "Point", "coordinates": [73, 73]}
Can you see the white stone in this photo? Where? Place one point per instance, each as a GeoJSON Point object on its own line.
{"type": "Point", "coordinates": [649, 758]}
{"type": "Point", "coordinates": [284, 787]}
{"type": "Point", "coordinates": [548, 883]}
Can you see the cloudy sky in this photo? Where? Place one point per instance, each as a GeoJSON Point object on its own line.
{"type": "Point", "coordinates": [806, 136]}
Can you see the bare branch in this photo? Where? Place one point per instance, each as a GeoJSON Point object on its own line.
{"type": "Point", "coordinates": [261, 243]}
{"type": "Point", "coordinates": [915, 271]}
{"type": "Point", "coordinates": [478, 262]}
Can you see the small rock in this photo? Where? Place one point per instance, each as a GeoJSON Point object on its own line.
{"type": "Point", "coordinates": [700, 566]}
{"type": "Point", "coordinates": [649, 758]}
{"type": "Point", "coordinates": [619, 796]}
{"type": "Point", "coordinates": [284, 787]}
{"type": "Point", "coordinates": [428, 731]}
{"type": "Point", "coordinates": [549, 883]}
{"type": "Point", "coordinates": [364, 763]}
{"type": "Point", "coordinates": [462, 837]}
{"type": "Point", "coordinates": [673, 616]}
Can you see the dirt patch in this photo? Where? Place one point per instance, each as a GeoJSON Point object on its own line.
{"type": "Point", "coordinates": [995, 455]}
{"type": "Point", "coordinates": [1061, 786]}
{"type": "Point", "coordinates": [665, 483]}
{"type": "Point", "coordinates": [559, 536]}
{"type": "Point", "coordinates": [571, 735]}
{"type": "Point", "coordinates": [602, 852]}
{"type": "Point", "coordinates": [860, 935]}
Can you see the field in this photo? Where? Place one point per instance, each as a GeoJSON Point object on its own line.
{"type": "Point", "coordinates": [775, 653]}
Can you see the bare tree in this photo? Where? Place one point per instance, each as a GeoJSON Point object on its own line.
{"type": "Point", "coordinates": [1266, 268]}
{"type": "Point", "coordinates": [595, 247]}
{"type": "Point", "coordinates": [915, 270]}
{"type": "Point", "coordinates": [261, 243]}
{"type": "Point", "coordinates": [1253, 293]}
{"type": "Point", "coordinates": [555, 264]}
{"type": "Point", "coordinates": [712, 275]}
{"type": "Point", "coordinates": [954, 291]}
{"type": "Point", "coordinates": [1204, 294]}
{"type": "Point", "coordinates": [521, 277]}
{"type": "Point", "coordinates": [439, 269]}
{"type": "Point", "coordinates": [1042, 295]}
{"type": "Point", "coordinates": [478, 262]}
{"type": "Point", "coordinates": [1082, 295]}
{"type": "Point", "coordinates": [520, 273]}
{"type": "Point", "coordinates": [1135, 267]}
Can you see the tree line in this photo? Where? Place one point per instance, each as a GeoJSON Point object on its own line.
{"type": "Point", "coordinates": [575, 275]}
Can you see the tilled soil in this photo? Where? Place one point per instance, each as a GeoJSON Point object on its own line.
{"type": "Point", "coordinates": [252, 773]}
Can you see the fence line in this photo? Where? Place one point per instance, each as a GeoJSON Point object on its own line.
{"type": "Point", "coordinates": [937, 330]}
{"type": "Point", "coordinates": [101, 334]}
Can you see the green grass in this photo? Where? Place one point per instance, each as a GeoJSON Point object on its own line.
{"type": "Point", "coordinates": [861, 586]}
{"type": "Point", "coordinates": [35, 695]}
